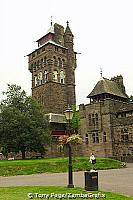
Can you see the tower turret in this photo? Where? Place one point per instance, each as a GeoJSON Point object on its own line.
{"type": "Point", "coordinates": [68, 37]}
{"type": "Point", "coordinates": [71, 65]}
{"type": "Point", "coordinates": [52, 66]}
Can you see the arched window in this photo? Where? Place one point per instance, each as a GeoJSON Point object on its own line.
{"type": "Point", "coordinates": [104, 137]}
{"type": "Point", "coordinates": [62, 77]}
{"type": "Point", "coordinates": [55, 75]}
{"type": "Point", "coordinates": [63, 63]}
{"type": "Point", "coordinates": [58, 62]}
{"type": "Point", "coordinates": [34, 65]}
{"type": "Point", "coordinates": [89, 117]}
{"type": "Point", "coordinates": [54, 61]}
{"type": "Point", "coordinates": [38, 64]}
{"type": "Point", "coordinates": [39, 76]}
{"type": "Point", "coordinates": [95, 137]}
{"type": "Point", "coordinates": [93, 119]}
{"type": "Point", "coordinates": [96, 118]}
{"type": "Point", "coordinates": [86, 138]}
{"type": "Point", "coordinates": [41, 61]}
{"type": "Point", "coordinates": [45, 76]}
{"type": "Point", "coordinates": [45, 60]}
{"type": "Point", "coordinates": [35, 80]}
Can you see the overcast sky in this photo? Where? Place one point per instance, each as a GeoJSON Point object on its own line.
{"type": "Point", "coordinates": [103, 34]}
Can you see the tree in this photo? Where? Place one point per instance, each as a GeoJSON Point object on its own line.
{"type": "Point", "coordinates": [23, 123]}
{"type": "Point", "coordinates": [75, 120]}
{"type": "Point", "coordinates": [131, 98]}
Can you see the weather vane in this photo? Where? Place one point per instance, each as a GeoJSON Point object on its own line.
{"type": "Point", "coordinates": [101, 73]}
{"type": "Point", "coordinates": [51, 21]}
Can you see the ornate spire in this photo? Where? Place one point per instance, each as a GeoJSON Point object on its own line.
{"type": "Point", "coordinates": [68, 30]}
{"type": "Point", "coordinates": [51, 29]}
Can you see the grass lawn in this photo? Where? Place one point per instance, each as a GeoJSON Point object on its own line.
{"type": "Point", "coordinates": [21, 193]}
{"type": "Point", "coordinates": [26, 167]}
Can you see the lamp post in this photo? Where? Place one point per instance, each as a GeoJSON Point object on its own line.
{"type": "Point", "coordinates": [69, 114]}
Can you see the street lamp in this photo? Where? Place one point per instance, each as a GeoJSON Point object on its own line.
{"type": "Point", "coordinates": [69, 114]}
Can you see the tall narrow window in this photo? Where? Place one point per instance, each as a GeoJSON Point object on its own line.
{"type": "Point", "coordinates": [38, 64]}
{"type": "Point", "coordinates": [63, 63]}
{"type": "Point", "coordinates": [96, 118]}
{"type": "Point", "coordinates": [62, 77]}
{"type": "Point", "coordinates": [45, 76]}
{"type": "Point", "coordinates": [45, 60]}
{"type": "Point", "coordinates": [55, 62]}
{"type": "Point", "coordinates": [93, 119]}
{"type": "Point", "coordinates": [58, 62]}
{"type": "Point", "coordinates": [104, 137]}
{"type": "Point", "coordinates": [89, 117]}
{"type": "Point", "coordinates": [86, 138]}
{"type": "Point", "coordinates": [55, 76]}
{"type": "Point", "coordinates": [39, 78]}
{"type": "Point", "coordinates": [95, 137]}
{"type": "Point", "coordinates": [35, 80]}
{"type": "Point", "coordinates": [41, 61]}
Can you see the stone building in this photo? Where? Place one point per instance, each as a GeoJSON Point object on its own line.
{"type": "Point", "coordinates": [107, 121]}
{"type": "Point", "coordinates": [52, 66]}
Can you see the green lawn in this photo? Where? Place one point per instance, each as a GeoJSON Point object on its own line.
{"type": "Point", "coordinates": [25, 167]}
{"type": "Point", "coordinates": [21, 193]}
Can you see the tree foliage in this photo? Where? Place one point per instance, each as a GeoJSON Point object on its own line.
{"type": "Point", "coordinates": [131, 98]}
{"type": "Point", "coordinates": [75, 120]}
{"type": "Point", "coordinates": [23, 124]}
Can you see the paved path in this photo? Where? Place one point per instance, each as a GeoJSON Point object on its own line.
{"type": "Point", "coordinates": [115, 180]}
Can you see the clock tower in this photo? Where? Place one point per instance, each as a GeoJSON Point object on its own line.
{"type": "Point", "coordinates": [52, 66]}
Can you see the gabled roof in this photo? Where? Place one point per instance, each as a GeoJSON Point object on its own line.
{"type": "Point", "coordinates": [106, 86]}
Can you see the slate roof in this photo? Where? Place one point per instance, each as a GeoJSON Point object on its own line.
{"type": "Point", "coordinates": [48, 42]}
{"type": "Point", "coordinates": [106, 86]}
{"type": "Point", "coordinates": [127, 107]}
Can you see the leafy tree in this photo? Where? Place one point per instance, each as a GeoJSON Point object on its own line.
{"type": "Point", "coordinates": [23, 123]}
{"type": "Point", "coordinates": [131, 98]}
{"type": "Point", "coordinates": [75, 120]}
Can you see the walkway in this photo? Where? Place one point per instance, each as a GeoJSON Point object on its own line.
{"type": "Point", "coordinates": [115, 180]}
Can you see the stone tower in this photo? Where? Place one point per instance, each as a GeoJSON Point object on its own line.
{"type": "Point", "coordinates": [52, 66]}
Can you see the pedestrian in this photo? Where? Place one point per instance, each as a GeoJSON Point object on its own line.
{"type": "Point", "coordinates": [92, 161]}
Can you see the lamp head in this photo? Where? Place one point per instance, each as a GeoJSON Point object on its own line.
{"type": "Point", "coordinates": [68, 113]}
